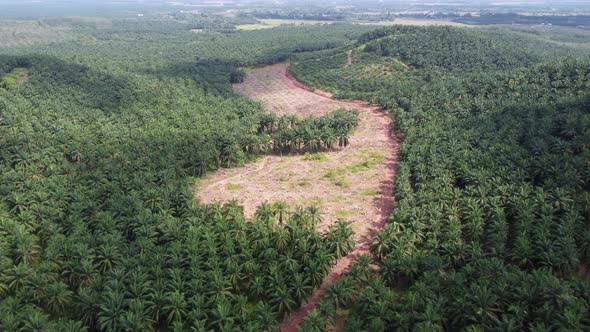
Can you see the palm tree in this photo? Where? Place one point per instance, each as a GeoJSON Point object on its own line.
{"type": "Point", "coordinates": [282, 238]}
{"type": "Point", "coordinates": [380, 245]}
{"type": "Point", "coordinates": [258, 287]}
{"type": "Point", "coordinates": [222, 315]}
{"type": "Point", "coordinates": [111, 310]}
{"type": "Point", "coordinates": [300, 287]}
{"type": "Point", "coordinates": [483, 302]}
{"type": "Point", "coordinates": [299, 216]}
{"type": "Point", "coordinates": [176, 307]}
{"type": "Point", "coordinates": [324, 259]}
{"type": "Point", "coordinates": [315, 273]}
{"type": "Point", "coordinates": [340, 240]}
{"type": "Point", "coordinates": [19, 276]}
{"type": "Point", "coordinates": [67, 326]}
{"type": "Point", "coordinates": [341, 293]}
{"type": "Point", "coordinates": [27, 248]}
{"type": "Point", "coordinates": [85, 273]}
{"type": "Point", "coordinates": [280, 208]}
{"type": "Point", "coordinates": [137, 318]}
{"type": "Point", "coordinates": [87, 306]}
{"type": "Point", "coordinates": [313, 322]}
{"type": "Point", "coordinates": [281, 299]}
{"type": "Point", "coordinates": [389, 271]}
{"type": "Point", "coordinates": [57, 297]}
{"type": "Point", "coordinates": [315, 215]}
{"type": "Point", "coordinates": [157, 299]}
{"type": "Point", "coordinates": [34, 321]}
{"type": "Point", "coordinates": [264, 315]}
{"type": "Point", "coordinates": [432, 318]}
{"type": "Point", "coordinates": [265, 212]}
{"type": "Point", "coordinates": [107, 257]}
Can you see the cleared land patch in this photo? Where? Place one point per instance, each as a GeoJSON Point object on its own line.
{"type": "Point", "coordinates": [350, 183]}
{"type": "Point", "coordinates": [273, 23]}
{"type": "Point", "coordinates": [418, 21]}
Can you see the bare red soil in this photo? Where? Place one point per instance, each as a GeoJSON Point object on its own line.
{"type": "Point", "coordinates": [342, 189]}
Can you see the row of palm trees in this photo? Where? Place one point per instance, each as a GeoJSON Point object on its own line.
{"type": "Point", "coordinates": [289, 134]}
{"type": "Point", "coordinates": [182, 272]}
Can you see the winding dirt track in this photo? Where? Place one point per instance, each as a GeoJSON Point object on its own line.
{"type": "Point", "coordinates": [290, 323]}
{"type": "Point", "coordinates": [366, 199]}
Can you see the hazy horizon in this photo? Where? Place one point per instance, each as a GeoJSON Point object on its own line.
{"type": "Point", "coordinates": [52, 8]}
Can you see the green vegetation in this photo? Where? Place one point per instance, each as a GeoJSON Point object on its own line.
{"type": "Point", "coordinates": [371, 158]}
{"type": "Point", "coordinates": [337, 176]}
{"type": "Point", "coordinates": [343, 214]}
{"type": "Point", "coordinates": [99, 229]}
{"type": "Point", "coordinates": [318, 156]}
{"type": "Point", "coordinates": [283, 134]}
{"type": "Point", "coordinates": [105, 121]}
{"type": "Point", "coordinates": [232, 186]}
{"type": "Point", "coordinates": [491, 229]}
{"type": "Point", "coordinates": [13, 79]}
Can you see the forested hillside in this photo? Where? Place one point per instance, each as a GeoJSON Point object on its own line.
{"type": "Point", "coordinates": [99, 139]}
{"type": "Point", "coordinates": [492, 225]}
{"type": "Point", "coordinates": [105, 123]}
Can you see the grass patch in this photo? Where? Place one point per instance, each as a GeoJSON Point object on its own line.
{"type": "Point", "coordinates": [319, 156]}
{"type": "Point", "coordinates": [304, 182]}
{"type": "Point", "coordinates": [362, 166]}
{"type": "Point", "coordinates": [337, 177]}
{"type": "Point", "coordinates": [15, 78]}
{"type": "Point", "coordinates": [233, 186]}
{"type": "Point", "coordinates": [369, 192]}
{"type": "Point", "coordinates": [371, 159]}
{"type": "Point", "coordinates": [317, 201]}
{"type": "Point", "coordinates": [343, 214]}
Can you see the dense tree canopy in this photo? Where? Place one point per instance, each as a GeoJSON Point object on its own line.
{"type": "Point", "coordinates": [491, 230]}
{"type": "Point", "coordinates": [99, 229]}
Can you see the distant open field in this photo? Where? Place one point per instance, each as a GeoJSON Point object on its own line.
{"type": "Point", "coordinates": [417, 21]}
{"type": "Point", "coordinates": [273, 23]}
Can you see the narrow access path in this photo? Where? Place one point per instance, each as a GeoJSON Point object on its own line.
{"type": "Point", "coordinates": [354, 183]}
